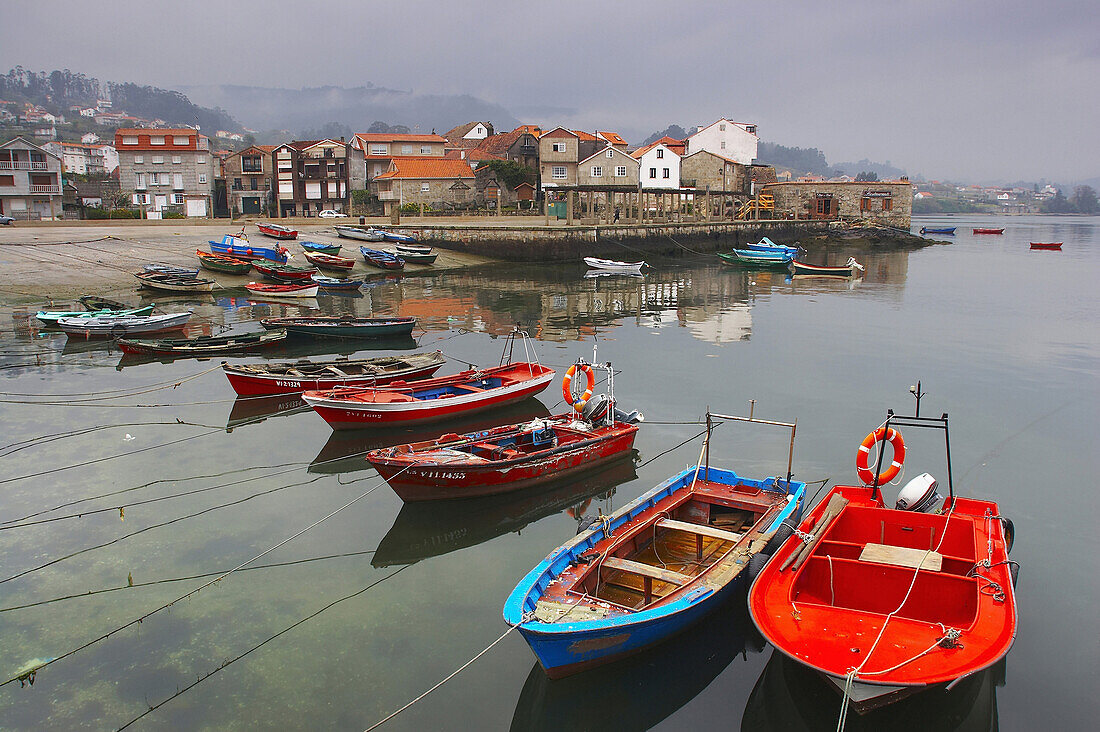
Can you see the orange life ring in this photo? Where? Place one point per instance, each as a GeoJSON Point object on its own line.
{"type": "Point", "coordinates": [863, 456]}
{"type": "Point", "coordinates": [567, 383]}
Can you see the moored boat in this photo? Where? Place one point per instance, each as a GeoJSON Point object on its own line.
{"type": "Point", "coordinates": [169, 269]}
{"type": "Point", "coordinates": [297, 376]}
{"type": "Point", "coordinates": [651, 569]}
{"type": "Point", "coordinates": [948, 230]}
{"type": "Point", "coordinates": [284, 273]}
{"type": "Point", "coordinates": [49, 318]}
{"type": "Point", "coordinates": [319, 248]}
{"type": "Point", "coordinates": [767, 245]}
{"type": "Point", "coordinates": [1046, 245]}
{"type": "Point", "coordinates": [848, 269]}
{"type": "Point", "coordinates": [337, 326]}
{"type": "Point", "coordinates": [95, 302]}
{"type": "Point", "coordinates": [755, 258]}
{"type": "Point", "coordinates": [276, 231]}
{"type": "Point", "coordinates": [405, 248]}
{"type": "Point", "coordinates": [240, 248]}
{"type": "Point", "coordinates": [396, 237]}
{"type": "Point", "coordinates": [203, 346]}
{"type": "Point", "coordinates": [510, 457]}
{"type": "Point", "coordinates": [222, 263]}
{"type": "Point", "coordinates": [174, 283]}
{"type": "Point", "coordinates": [612, 265]}
{"type": "Point", "coordinates": [888, 600]}
{"type": "Point", "coordinates": [330, 262]}
{"type": "Point", "coordinates": [381, 259]}
{"type": "Point", "coordinates": [417, 257]}
{"type": "Point", "coordinates": [989, 231]}
{"type": "Point", "coordinates": [357, 232]}
{"type": "Point", "coordinates": [295, 290]}
{"type": "Point", "coordinates": [114, 326]}
{"type": "Point", "coordinates": [336, 283]}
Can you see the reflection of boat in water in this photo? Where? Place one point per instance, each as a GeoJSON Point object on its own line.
{"type": "Point", "coordinates": [431, 528]}
{"type": "Point", "coordinates": [790, 697]}
{"type": "Point", "coordinates": [249, 410]}
{"type": "Point", "coordinates": [639, 692]}
{"type": "Point", "coordinates": [345, 450]}
{"type": "Point", "coordinates": [595, 273]}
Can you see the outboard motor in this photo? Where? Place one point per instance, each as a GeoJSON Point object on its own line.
{"type": "Point", "coordinates": [631, 417]}
{"type": "Point", "coordinates": [919, 495]}
{"type": "Point", "coordinates": [595, 409]}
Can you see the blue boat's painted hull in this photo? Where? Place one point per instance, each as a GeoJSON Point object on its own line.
{"type": "Point", "coordinates": [563, 647]}
{"type": "Point", "coordinates": [767, 245]}
{"type": "Point", "coordinates": [948, 231]}
{"type": "Point", "coordinates": [234, 247]}
{"type": "Point", "coordinates": [394, 236]}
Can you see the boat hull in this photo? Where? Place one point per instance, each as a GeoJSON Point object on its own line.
{"type": "Point", "coordinates": [241, 249]}
{"type": "Point", "coordinates": [946, 231]}
{"type": "Point", "coordinates": [417, 478]}
{"type": "Point", "coordinates": [1054, 245]}
{"type": "Point", "coordinates": [803, 268]}
{"type": "Point", "coordinates": [203, 346]}
{"type": "Point", "coordinates": [337, 327]}
{"type": "Point", "coordinates": [989, 231]}
{"type": "Point", "coordinates": [609, 265]}
{"type": "Point", "coordinates": [170, 283]}
{"type": "Point", "coordinates": [247, 383]}
{"type": "Point", "coordinates": [316, 248]}
{"type": "Point", "coordinates": [114, 327]}
{"type": "Point", "coordinates": [380, 408]}
{"type": "Point", "coordinates": [330, 262]}
{"type": "Point", "coordinates": [257, 288]}
{"type": "Point", "coordinates": [380, 259]}
{"type": "Point", "coordinates": [745, 257]}
{"type": "Point", "coordinates": [277, 232]}
{"type": "Point", "coordinates": [49, 318]}
{"type": "Point", "coordinates": [354, 232]}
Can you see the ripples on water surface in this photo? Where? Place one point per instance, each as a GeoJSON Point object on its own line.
{"type": "Point", "coordinates": [1003, 338]}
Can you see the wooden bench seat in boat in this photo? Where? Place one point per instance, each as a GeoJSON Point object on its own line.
{"type": "Point", "coordinates": [711, 531]}
{"type": "Point", "coordinates": [646, 570]}
{"type": "Point", "coordinates": [901, 556]}
{"type": "Point", "coordinates": [335, 370]}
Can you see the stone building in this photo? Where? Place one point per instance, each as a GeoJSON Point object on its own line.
{"type": "Point", "coordinates": [166, 170]}
{"type": "Point", "coordinates": [560, 152]}
{"type": "Point", "coordinates": [312, 176]}
{"type": "Point", "coordinates": [249, 179]}
{"type": "Point", "coordinates": [435, 183]}
{"type": "Point", "coordinates": [608, 167]}
{"type": "Point", "coordinates": [30, 181]}
{"type": "Point", "coordinates": [705, 170]}
{"type": "Point", "coordinates": [887, 202]}
{"type": "Point", "coordinates": [371, 153]}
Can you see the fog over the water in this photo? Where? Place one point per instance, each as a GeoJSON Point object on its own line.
{"type": "Point", "coordinates": [974, 90]}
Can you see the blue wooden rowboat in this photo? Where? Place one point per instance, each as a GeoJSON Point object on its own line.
{"type": "Point", "coordinates": [242, 249]}
{"type": "Point", "coordinates": [394, 236]}
{"type": "Point", "coordinates": [767, 245]}
{"type": "Point", "coordinates": [755, 258]}
{"type": "Point", "coordinates": [948, 230]}
{"type": "Point", "coordinates": [654, 567]}
{"type": "Point", "coordinates": [381, 259]}
{"type": "Point", "coordinates": [335, 283]}
{"type": "Point", "coordinates": [318, 248]}
{"type": "Point", "coordinates": [49, 318]}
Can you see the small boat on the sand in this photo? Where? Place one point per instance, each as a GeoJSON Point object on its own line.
{"type": "Point", "coordinates": [203, 346]}
{"type": "Point", "coordinates": [336, 283]}
{"type": "Point", "coordinates": [95, 302]}
{"type": "Point", "coordinates": [338, 326]}
{"type": "Point", "coordinates": [330, 262]}
{"type": "Point", "coordinates": [284, 273]}
{"type": "Point", "coordinates": [848, 269]}
{"type": "Point", "coordinates": [989, 231]}
{"type": "Point", "coordinates": [276, 231]}
{"type": "Point", "coordinates": [49, 318]}
{"type": "Point", "coordinates": [115, 326]}
{"type": "Point", "coordinates": [1056, 245]}
{"type": "Point", "coordinates": [887, 600]}
{"type": "Point", "coordinates": [509, 457]}
{"type": "Point", "coordinates": [169, 269]}
{"type": "Point", "coordinates": [767, 245]}
{"type": "Point", "coordinates": [222, 263]}
{"type": "Point", "coordinates": [404, 248]}
{"type": "Point", "coordinates": [318, 248]}
{"type": "Point", "coordinates": [947, 230]}
{"type": "Point", "coordinates": [357, 232]}
{"type": "Point", "coordinates": [651, 569]}
{"type": "Point", "coordinates": [381, 259]}
{"type": "Point", "coordinates": [240, 248]}
{"type": "Point", "coordinates": [296, 376]}
{"type": "Point", "coordinates": [174, 283]}
{"type": "Point", "coordinates": [755, 258]}
{"type": "Point", "coordinates": [308, 289]}
{"type": "Point", "coordinates": [396, 237]}
{"type": "Point", "coordinates": [611, 265]}
{"type": "Point", "coordinates": [416, 257]}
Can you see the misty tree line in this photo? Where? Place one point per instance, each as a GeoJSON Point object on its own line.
{"type": "Point", "coordinates": [1083, 200]}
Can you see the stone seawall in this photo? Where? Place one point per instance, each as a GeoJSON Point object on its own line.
{"type": "Point", "coordinates": [617, 241]}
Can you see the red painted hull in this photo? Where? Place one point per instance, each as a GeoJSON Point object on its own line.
{"type": "Point", "coordinates": [262, 385]}
{"type": "Point", "coordinates": [1046, 245]}
{"type": "Point", "coordinates": [330, 261]}
{"type": "Point", "coordinates": [415, 476]}
{"type": "Point", "coordinates": [828, 613]}
{"type": "Point", "coordinates": [283, 275]}
{"type": "Point", "coordinates": [277, 233]}
{"type": "Point", "coordinates": [989, 231]}
{"type": "Point", "coordinates": [410, 404]}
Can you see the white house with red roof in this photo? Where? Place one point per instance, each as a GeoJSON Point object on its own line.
{"type": "Point", "coordinates": [659, 163]}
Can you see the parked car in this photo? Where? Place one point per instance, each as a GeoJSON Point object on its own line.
{"type": "Point", "coordinates": [6, 220]}
{"type": "Point", "coordinates": [328, 213]}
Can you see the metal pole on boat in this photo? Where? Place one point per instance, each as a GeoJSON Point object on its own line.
{"type": "Point", "coordinates": [790, 455]}
{"type": "Point", "coordinates": [881, 455]}
{"type": "Point", "coordinates": [916, 392]}
{"type": "Point", "coordinates": [706, 447]}
{"type": "Point", "coordinates": [947, 440]}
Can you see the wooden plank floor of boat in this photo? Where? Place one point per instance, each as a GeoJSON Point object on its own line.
{"type": "Point", "coordinates": [673, 550]}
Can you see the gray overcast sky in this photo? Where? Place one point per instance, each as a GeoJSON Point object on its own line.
{"type": "Point", "coordinates": [971, 89]}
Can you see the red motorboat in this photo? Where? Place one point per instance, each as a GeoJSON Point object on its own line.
{"type": "Point", "coordinates": [277, 232]}
{"type": "Point", "coordinates": [885, 601]}
{"type": "Point", "coordinates": [308, 289]}
{"type": "Point", "coordinates": [989, 231]}
{"type": "Point", "coordinates": [285, 273]}
{"type": "Point", "coordinates": [1057, 245]}
{"type": "Point", "coordinates": [329, 261]}
{"type": "Point", "coordinates": [254, 379]}
{"type": "Point", "coordinates": [509, 457]}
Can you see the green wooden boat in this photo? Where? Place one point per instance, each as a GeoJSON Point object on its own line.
{"type": "Point", "coordinates": [335, 326]}
{"type": "Point", "coordinates": [222, 263]}
{"type": "Point", "coordinates": [314, 247]}
{"type": "Point", "coordinates": [49, 318]}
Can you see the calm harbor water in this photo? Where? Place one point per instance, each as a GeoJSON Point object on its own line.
{"type": "Point", "coordinates": [355, 617]}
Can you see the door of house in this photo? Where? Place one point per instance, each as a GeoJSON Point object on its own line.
{"type": "Point", "coordinates": [824, 207]}
{"type": "Point", "coordinates": [250, 204]}
{"type": "Point", "coordinates": [160, 202]}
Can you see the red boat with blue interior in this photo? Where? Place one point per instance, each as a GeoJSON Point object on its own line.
{"type": "Point", "coordinates": [654, 567]}
{"type": "Point", "coordinates": [239, 247]}
{"type": "Point", "coordinates": [888, 600]}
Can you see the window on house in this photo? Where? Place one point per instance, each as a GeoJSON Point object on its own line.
{"type": "Point", "coordinates": [665, 173]}
{"type": "Point", "coordinates": [177, 181]}
{"type": "Point", "coordinates": [610, 153]}
{"type": "Point", "coordinates": [202, 177]}
{"type": "Point", "coordinates": [7, 180]}
{"type": "Point", "coordinates": [181, 140]}
{"type": "Point", "coordinates": [425, 149]}
{"type": "Point", "coordinates": [139, 159]}
{"type": "Point", "coordinates": [129, 140]}
{"type": "Point", "coordinates": [660, 153]}
{"type": "Point", "coordinates": [558, 171]}
{"type": "Point", "coordinates": [141, 198]}
{"type": "Point", "coordinates": [750, 129]}
{"type": "Point", "coordinates": [158, 159]}
{"type": "Point", "coordinates": [406, 149]}
{"type": "Point", "coordinates": [559, 147]}
{"type": "Point", "coordinates": [424, 187]}
{"type": "Point", "coordinates": [887, 204]}
{"type": "Point", "coordinates": [236, 184]}
{"type": "Point", "coordinates": [620, 171]}
{"type": "Point", "coordinates": [177, 198]}
{"type": "Point", "coordinates": [157, 140]}
{"type": "Point", "coordinates": [378, 149]}
{"type": "Point", "coordinates": [722, 145]}
{"type": "Point", "coordinates": [139, 180]}
{"type": "Point", "coordinates": [200, 160]}
{"type": "Point", "coordinates": [255, 183]}
{"type": "Point", "coordinates": [597, 171]}
{"type": "Point", "coordinates": [722, 127]}
{"type": "Point", "coordinates": [652, 172]}
{"type": "Point", "coordinates": [176, 159]}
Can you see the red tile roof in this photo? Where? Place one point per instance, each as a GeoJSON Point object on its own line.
{"type": "Point", "coordinates": [472, 154]}
{"type": "Point", "coordinates": [420, 168]}
{"type": "Point", "coordinates": [613, 137]}
{"type": "Point", "coordinates": [396, 137]}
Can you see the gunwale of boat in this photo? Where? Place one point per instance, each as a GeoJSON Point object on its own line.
{"type": "Point", "coordinates": [378, 367]}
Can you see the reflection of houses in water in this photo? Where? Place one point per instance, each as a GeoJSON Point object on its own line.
{"type": "Point", "coordinates": [732, 323]}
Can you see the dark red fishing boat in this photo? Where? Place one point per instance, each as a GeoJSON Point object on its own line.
{"type": "Point", "coordinates": [284, 273]}
{"type": "Point", "coordinates": [275, 231]}
{"type": "Point", "coordinates": [508, 457]}
{"type": "Point", "coordinates": [255, 379]}
{"type": "Point", "coordinates": [1055, 245]}
{"type": "Point", "coordinates": [989, 231]}
{"type": "Point", "coordinates": [329, 261]}
{"type": "Point", "coordinates": [306, 289]}
{"type": "Point", "coordinates": [885, 601]}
